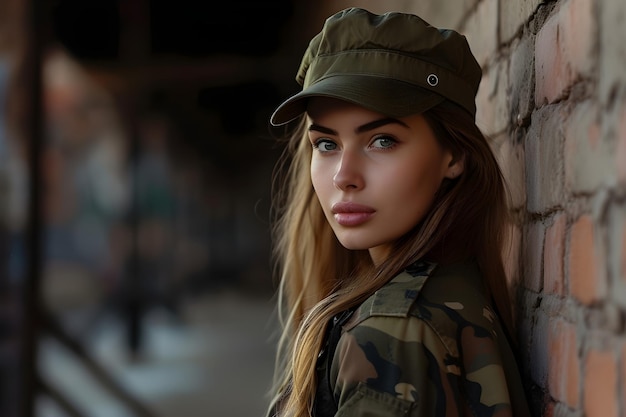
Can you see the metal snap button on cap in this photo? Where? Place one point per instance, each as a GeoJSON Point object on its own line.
{"type": "Point", "coordinates": [432, 80]}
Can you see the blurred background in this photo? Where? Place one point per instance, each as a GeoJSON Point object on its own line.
{"type": "Point", "coordinates": [135, 177]}
{"type": "Point", "coordinates": [135, 172]}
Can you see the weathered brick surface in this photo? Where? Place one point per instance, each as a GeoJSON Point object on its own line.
{"type": "Point", "coordinates": [511, 158]}
{"type": "Point", "coordinates": [611, 75]}
{"type": "Point", "coordinates": [554, 96]}
{"type": "Point", "coordinates": [589, 161]}
{"type": "Point", "coordinates": [544, 160]}
{"type": "Point", "coordinates": [513, 15]}
{"type": "Point", "coordinates": [481, 29]}
{"type": "Point", "coordinates": [539, 354]}
{"type": "Point", "coordinates": [521, 89]}
{"type": "Point", "coordinates": [564, 50]}
{"type": "Point", "coordinates": [554, 253]}
{"type": "Point", "coordinates": [492, 114]}
{"type": "Point", "coordinates": [449, 13]}
{"type": "Point", "coordinates": [564, 368]}
{"type": "Point", "coordinates": [533, 256]}
{"type": "Point", "coordinates": [617, 253]}
{"type": "Point", "coordinates": [616, 131]}
{"type": "Point", "coordinates": [600, 386]}
{"type": "Point", "coordinates": [586, 283]}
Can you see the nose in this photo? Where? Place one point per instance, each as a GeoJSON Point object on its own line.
{"type": "Point", "coordinates": [349, 171]}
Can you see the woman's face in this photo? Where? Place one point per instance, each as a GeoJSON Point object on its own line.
{"type": "Point", "coordinates": [375, 176]}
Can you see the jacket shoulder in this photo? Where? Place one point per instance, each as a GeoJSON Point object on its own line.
{"type": "Point", "coordinates": [454, 299]}
{"type": "Point", "coordinates": [397, 297]}
{"type": "Point", "coordinates": [445, 297]}
{"type": "Point", "coordinates": [442, 316]}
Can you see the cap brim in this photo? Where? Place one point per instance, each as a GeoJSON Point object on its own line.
{"type": "Point", "coordinates": [383, 95]}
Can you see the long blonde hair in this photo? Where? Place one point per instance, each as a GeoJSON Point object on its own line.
{"type": "Point", "coordinates": [319, 278]}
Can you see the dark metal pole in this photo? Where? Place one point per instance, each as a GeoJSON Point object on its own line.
{"type": "Point", "coordinates": [31, 302]}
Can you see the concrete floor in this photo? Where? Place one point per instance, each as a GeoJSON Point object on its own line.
{"type": "Point", "coordinates": [216, 359]}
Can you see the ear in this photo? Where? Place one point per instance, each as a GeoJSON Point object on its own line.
{"type": "Point", "coordinates": [455, 167]}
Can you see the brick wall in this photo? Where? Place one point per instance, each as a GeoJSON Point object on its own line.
{"type": "Point", "coordinates": [553, 100]}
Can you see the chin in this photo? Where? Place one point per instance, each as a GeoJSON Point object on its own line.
{"type": "Point", "coordinates": [355, 243]}
{"type": "Point", "coordinates": [353, 247]}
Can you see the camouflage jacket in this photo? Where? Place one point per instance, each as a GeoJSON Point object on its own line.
{"type": "Point", "coordinates": [426, 344]}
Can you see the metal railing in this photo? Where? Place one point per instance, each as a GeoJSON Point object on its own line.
{"type": "Point", "coordinates": [36, 322]}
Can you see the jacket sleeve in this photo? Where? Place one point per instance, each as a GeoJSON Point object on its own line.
{"type": "Point", "coordinates": [400, 366]}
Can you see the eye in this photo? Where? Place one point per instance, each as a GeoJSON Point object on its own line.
{"type": "Point", "coordinates": [383, 142]}
{"type": "Point", "coordinates": [324, 145]}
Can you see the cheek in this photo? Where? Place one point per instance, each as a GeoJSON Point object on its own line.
{"type": "Point", "coordinates": [418, 187]}
{"type": "Point", "coordinates": [320, 178]}
{"type": "Point", "coordinates": [409, 206]}
{"type": "Point", "coordinates": [316, 174]}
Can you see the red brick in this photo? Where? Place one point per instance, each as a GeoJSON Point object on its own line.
{"type": "Point", "coordinates": [564, 368]}
{"type": "Point", "coordinates": [564, 50]}
{"type": "Point", "coordinates": [586, 284]}
{"type": "Point", "coordinates": [600, 387]}
{"type": "Point", "coordinates": [554, 253]}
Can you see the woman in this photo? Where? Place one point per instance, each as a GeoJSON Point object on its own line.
{"type": "Point", "coordinates": [389, 231]}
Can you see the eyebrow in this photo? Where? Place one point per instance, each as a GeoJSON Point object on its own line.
{"type": "Point", "coordinates": [361, 129]}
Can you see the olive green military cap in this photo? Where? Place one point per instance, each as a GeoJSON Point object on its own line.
{"type": "Point", "coordinates": [395, 64]}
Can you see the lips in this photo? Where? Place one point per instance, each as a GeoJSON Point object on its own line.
{"type": "Point", "coordinates": [351, 214]}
